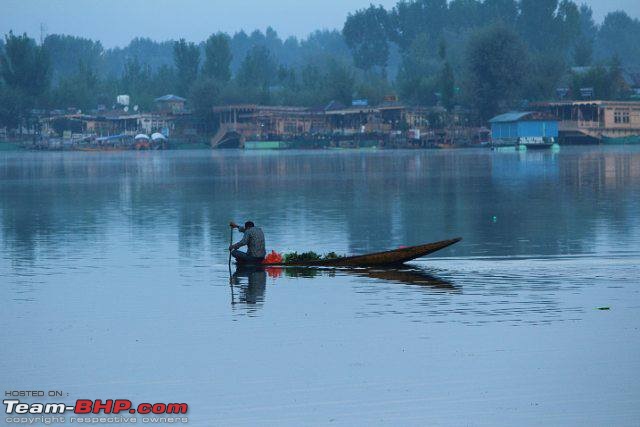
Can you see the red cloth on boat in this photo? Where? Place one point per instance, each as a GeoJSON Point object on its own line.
{"type": "Point", "coordinates": [272, 258]}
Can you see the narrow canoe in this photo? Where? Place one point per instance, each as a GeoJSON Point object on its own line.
{"type": "Point", "coordinates": [386, 258]}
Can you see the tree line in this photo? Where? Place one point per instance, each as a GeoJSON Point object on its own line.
{"type": "Point", "coordinates": [484, 56]}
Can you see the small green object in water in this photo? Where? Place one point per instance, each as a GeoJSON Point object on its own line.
{"type": "Point", "coordinates": [603, 308]}
{"type": "Point", "coordinates": [494, 219]}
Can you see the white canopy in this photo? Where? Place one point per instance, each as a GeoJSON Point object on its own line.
{"type": "Point", "coordinates": [141, 136]}
{"type": "Point", "coordinates": [156, 136]}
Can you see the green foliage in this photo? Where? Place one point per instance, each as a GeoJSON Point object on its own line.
{"type": "Point", "coordinates": [544, 72]}
{"type": "Point", "coordinates": [464, 14]}
{"type": "Point", "coordinates": [13, 107]}
{"type": "Point", "coordinates": [137, 82]}
{"type": "Point", "coordinates": [447, 86]}
{"type": "Point", "coordinates": [256, 74]}
{"type": "Point", "coordinates": [186, 58]}
{"type": "Point", "coordinates": [366, 34]}
{"type": "Point", "coordinates": [583, 45]}
{"type": "Point", "coordinates": [78, 89]}
{"type": "Point", "coordinates": [582, 52]}
{"type": "Point", "coordinates": [504, 12]}
{"type": "Point", "coordinates": [606, 81]}
{"type": "Point", "coordinates": [217, 57]}
{"type": "Point", "coordinates": [409, 19]}
{"type": "Point", "coordinates": [416, 80]}
{"type": "Point", "coordinates": [305, 256]}
{"type": "Point", "coordinates": [165, 81]}
{"type": "Point", "coordinates": [568, 20]}
{"type": "Point", "coordinates": [496, 69]}
{"type": "Point", "coordinates": [537, 23]}
{"type": "Point", "coordinates": [373, 87]}
{"type": "Point", "coordinates": [25, 72]}
{"type": "Point", "coordinates": [25, 66]}
{"type": "Point", "coordinates": [205, 93]}
{"type": "Point", "coordinates": [258, 68]}
{"type": "Point", "coordinates": [149, 52]}
{"type": "Point", "coordinates": [338, 82]}
{"type": "Point", "coordinates": [502, 51]}
{"type": "Point", "coordinates": [68, 53]}
{"type": "Point", "coordinates": [619, 35]}
{"type": "Point", "coordinates": [309, 256]}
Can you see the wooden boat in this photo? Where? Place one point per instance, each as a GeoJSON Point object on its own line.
{"type": "Point", "coordinates": [386, 258]}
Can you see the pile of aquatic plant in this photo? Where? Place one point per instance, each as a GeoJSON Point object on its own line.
{"type": "Point", "coordinates": [308, 256]}
{"type": "Point", "coordinates": [333, 255]}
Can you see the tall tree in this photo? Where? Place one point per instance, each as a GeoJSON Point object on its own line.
{"type": "Point", "coordinates": [165, 80]}
{"type": "Point", "coordinates": [464, 14]}
{"type": "Point", "coordinates": [78, 89]}
{"type": "Point", "coordinates": [496, 65]}
{"type": "Point", "coordinates": [569, 27]}
{"type": "Point", "coordinates": [366, 34]}
{"type": "Point", "coordinates": [13, 107]}
{"type": "Point", "coordinates": [149, 52]}
{"type": "Point", "coordinates": [606, 80]}
{"type": "Point", "coordinates": [544, 71]}
{"type": "Point", "coordinates": [256, 74]}
{"type": "Point", "coordinates": [69, 53]}
{"type": "Point", "coordinates": [339, 82]}
{"type": "Point", "coordinates": [186, 57]}
{"type": "Point", "coordinates": [25, 66]}
{"type": "Point", "coordinates": [583, 47]}
{"type": "Point", "coordinates": [137, 82]}
{"type": "Point", "coordinates": [416, 79]}
{"type": "Point", "coordinates": [204, 95]}
{"type": "Point", "coordinates": [501, 11]}
{"type": "Point", "coordinates": [619, 34]}
{"type": "Point", "coordinates": [446, 80]}
{"type": "Point", "coordinates": [537, 23]}
{"type": "Point", "coordinates": [217, 57]}
{"type": "Point", "coordinates": [447, 86]}
{"type": "Point", "coordinates": [409, 19]}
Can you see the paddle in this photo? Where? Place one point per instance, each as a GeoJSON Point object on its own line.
{"type": "Point", "coordinates": [230, 243]}
{"type": "Point", "coordinates": [230, 274]}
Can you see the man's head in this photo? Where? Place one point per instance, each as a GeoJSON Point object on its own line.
{"type": "Point", "coordinates": [248, 225]}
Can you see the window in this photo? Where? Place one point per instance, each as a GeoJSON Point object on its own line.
{"type": "Point", "coordinates": [621, 117]}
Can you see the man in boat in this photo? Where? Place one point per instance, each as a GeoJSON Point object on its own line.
{"type": "Point", "coordinates": [254, 241]}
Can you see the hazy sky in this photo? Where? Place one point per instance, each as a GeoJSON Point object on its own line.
{"type": "Point", "coordinates": [116, 22]}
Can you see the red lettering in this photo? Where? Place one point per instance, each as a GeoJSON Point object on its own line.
{"type": "Point", "coordinates": [144, 408]}
{"type": "Point", "coordinates": [121, 405]}
{"type": "Point", "coordinates": [177, 408]}
{"type": "Point", "coordinates": [83, 406]}
{"type": "Point", "coordinates": [159, 408]}
{"type": "Point", "coordinates": [105, 407]}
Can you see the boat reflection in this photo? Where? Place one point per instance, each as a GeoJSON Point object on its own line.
{"type": "Point", "coordinates": [409, 276]}
{"type": "Point", "coordinates": [249, 282]}
{"type": "Point", "coordinates": [404, 275]}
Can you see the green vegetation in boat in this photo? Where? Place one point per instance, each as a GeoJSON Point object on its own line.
{"type": "Point", "coordinates": [309, 256]}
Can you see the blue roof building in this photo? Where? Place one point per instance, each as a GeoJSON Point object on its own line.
{"type": "Point", "coordinates": [523, 127]}
{"type": "Point", "coordinates": [170, 104]}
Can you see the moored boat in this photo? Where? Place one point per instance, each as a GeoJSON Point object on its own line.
{"type": "Point", "coordinates": [623, 140]}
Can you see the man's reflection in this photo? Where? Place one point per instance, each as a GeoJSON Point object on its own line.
{"type": "Point", "coordinates": [251, 290]}
{"type": "Point", "coordinates": [248, 283]}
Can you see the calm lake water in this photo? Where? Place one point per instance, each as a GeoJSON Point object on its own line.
{"type": "Point", "coordinates": [114, 283]}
